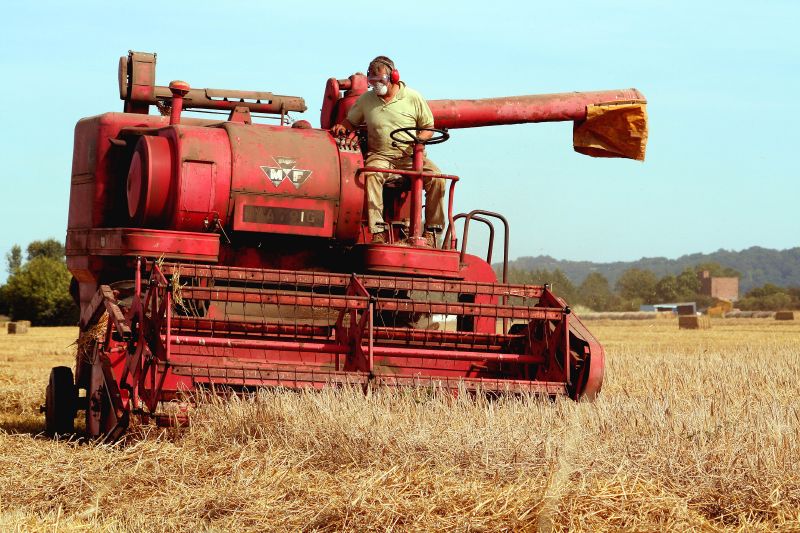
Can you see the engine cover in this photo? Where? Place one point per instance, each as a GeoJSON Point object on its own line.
{"type": "Point", "coordinates": [248, 178]}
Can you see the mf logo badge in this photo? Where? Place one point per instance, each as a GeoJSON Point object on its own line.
{"type": "Point", "coordinates": [286, 171]}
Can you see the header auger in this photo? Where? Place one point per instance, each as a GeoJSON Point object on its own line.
{"type": "Point", "coordinates": [232, 254]}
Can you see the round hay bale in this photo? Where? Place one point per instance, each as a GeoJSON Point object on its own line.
{"type": "Point", "coordinates": [784, 315]}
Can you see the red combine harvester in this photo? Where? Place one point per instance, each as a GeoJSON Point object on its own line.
{"type": "Point", "coordinates": [231, 254]}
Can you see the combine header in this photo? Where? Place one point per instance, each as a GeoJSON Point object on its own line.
{"type": "Point", "coordinates": [231, 254]}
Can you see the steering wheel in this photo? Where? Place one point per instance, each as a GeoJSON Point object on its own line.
{"type": "Point", "coordinates": [442, 136]}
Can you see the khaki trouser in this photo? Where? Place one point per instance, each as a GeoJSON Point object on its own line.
{"type": "Point", "coordinates": [434, 190]}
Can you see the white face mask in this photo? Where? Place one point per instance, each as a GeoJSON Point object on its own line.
{"type": "Point", "coordinates": [380, 89]}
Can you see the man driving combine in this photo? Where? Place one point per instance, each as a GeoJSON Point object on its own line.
{"type": "Point", "coordinates": [391, 105]}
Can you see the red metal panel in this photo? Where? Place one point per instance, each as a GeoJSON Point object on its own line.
{"type": "Point", "coordinates": [197, 186]}
{"type": "Point", "coordinates": [142, 73]}
{"type": "Point", "coordinates": [291, 162]}
{"type": "Point", "coordinates": [135, 241]}
{"type": "Point", "coordinates": [295, 170]}
{"type": "Point", "coordinates": [351, 201]}
{"type": "Point", "coordinates": [276, 214]}
{"type": "Point", "coordinates": [411, 260]}
{"type": "Point", "coordinates": [203, 156]}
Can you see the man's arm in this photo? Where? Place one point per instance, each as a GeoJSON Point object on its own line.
{"type": "Point", "coordinates": [425, 135]}
{"type": "Point", "coordinates": [424, 119]}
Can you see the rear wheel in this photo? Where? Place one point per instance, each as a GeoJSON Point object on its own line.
{"type": "Point", "coordinates": [61, 401]}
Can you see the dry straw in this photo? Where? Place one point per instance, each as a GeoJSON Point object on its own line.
{"type": "Point", "coordinates": [692, 432]}
{"type": "Point", "coordinates": [87, 339]}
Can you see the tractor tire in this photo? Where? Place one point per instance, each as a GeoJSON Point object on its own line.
{"type": "Point", "coordinates": [61, 401]}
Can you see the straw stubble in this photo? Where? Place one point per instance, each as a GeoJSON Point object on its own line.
{"type": "Point", "coordinates": [694, 430]}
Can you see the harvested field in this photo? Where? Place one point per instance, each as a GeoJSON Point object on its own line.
{"type": "Point", "coordinates": [626, 315]}
{"type": "Point", "coordinates": [694, 430]}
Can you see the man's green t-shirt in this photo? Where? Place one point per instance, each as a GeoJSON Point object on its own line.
{"type": "Point", "coordinates": [406, 110]}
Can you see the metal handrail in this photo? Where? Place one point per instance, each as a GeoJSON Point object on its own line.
{"type": "Point", "coordinates": [451, 242]}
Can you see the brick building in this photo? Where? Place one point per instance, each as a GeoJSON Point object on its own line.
{"type": "Point", "coordinates": [717, 287]}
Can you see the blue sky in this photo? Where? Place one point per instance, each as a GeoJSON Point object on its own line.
{"type": "Point", "coordinates": [721, 79]}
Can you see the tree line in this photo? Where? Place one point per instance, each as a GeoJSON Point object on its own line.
{"type": "Point", "coordinates": [757, 266]}
{"type": "Point", "coordinates": [637, 286]}
{"type": "Point", "coordinates": [37, 288]}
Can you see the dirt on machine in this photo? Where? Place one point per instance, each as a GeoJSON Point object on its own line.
{"type": "Point", "coordinates": [231, 252]}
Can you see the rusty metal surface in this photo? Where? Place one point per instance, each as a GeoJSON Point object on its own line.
{"type": "Point", "coordinates": [138, 89]}
{"type": "Point", "coordinates": [137, 241]}
{"type": "Point", "coordinates": [524, 109]}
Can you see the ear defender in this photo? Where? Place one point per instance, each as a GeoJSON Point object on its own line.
{"type": "Point", "coordinates": [394, 74]}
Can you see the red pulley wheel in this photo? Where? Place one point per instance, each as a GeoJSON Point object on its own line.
{"type": "Point", "coordinates": [149, 179]}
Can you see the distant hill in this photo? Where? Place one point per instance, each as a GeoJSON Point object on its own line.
{"type": "Point", "coordinates": [757, 266]}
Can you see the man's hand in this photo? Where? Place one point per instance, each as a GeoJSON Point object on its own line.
{"type": "Point", "coordinates": [339, 130]}
{"type": "Point", "coordinates": [345, 135]}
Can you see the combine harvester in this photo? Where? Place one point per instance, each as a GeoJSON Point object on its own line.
{"type": "Point", "coordinates": [230, 254]}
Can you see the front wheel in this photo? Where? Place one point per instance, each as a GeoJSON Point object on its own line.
{"type": "Point", "coordinates": [61, 400]}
